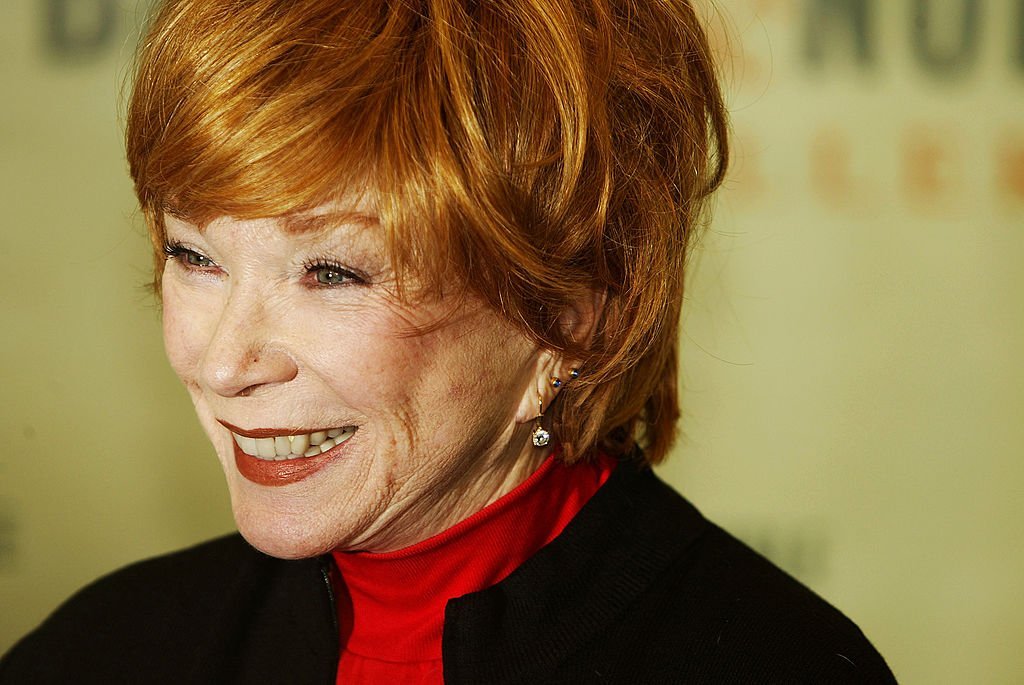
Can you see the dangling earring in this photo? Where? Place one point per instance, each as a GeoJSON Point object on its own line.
{"type": "Point", "coordinates": [540, 436]}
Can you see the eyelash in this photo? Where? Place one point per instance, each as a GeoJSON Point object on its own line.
{"type": "Point", "coordinates": [177, 251]}
{"type": "Point", "coordinates": [326, 265]}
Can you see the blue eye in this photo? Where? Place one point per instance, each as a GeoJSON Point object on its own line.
{"type": "Point", "coordinates": [196, 259]}
{"type": "Point", "coordinates": [329, 277]}
{"type": "Point", "coordinates": [328, 274]}
{"type": "Point", "coordinates": [190, 258]}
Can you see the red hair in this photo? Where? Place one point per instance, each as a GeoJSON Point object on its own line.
{"type": "Point", "coordinates": [546, 150]}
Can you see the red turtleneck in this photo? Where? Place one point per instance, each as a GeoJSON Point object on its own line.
{"type": "Point", "coordinates": [391, 605]}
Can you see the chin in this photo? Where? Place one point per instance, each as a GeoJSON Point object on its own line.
{"type": "Point", "coordinates": [275, 528]}
{"type": "Point", "coordinates": [283, 522]}
{"type": "Point", "coordinates": [282, 541]}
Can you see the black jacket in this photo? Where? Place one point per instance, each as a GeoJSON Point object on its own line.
{"type": "Point", "coordinates": [639, 588]}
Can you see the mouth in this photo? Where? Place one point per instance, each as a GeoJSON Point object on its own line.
{"type": "Point", "coordinates": [292, 446]}
{"type": "Point", "coordinates": [276, 457]}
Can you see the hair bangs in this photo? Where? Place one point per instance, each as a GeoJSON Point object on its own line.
{"type": "Point", "coordinates": [531, 153]}
{"type": "Point", "coordinates": [250, 123]}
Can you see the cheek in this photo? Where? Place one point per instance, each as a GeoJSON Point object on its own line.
{"type": "Point", "coordinates": [185, 331]}
{"type": "Point", "coordinates": [410, 382]}
{"type": "Point", "coordinates": [374, 367]}
{"type": "Point", "coordinates": [461, 391]}
{"type": "Point", "coordinates": [467, 378]}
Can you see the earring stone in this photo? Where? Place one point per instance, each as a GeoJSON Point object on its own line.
{"type": "Point", "coordinates": [540, 436]}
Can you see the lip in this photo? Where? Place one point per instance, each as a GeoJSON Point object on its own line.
{"type": "Point", "coordinates": [278, 473]}
{"type": "Point", "coordinates": [268, 432]}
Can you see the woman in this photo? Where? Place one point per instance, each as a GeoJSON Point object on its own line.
{"type": "Point", "coordinates": [421, 272]}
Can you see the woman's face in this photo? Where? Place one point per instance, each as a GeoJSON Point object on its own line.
{"type": "Point", "coordinates": [282, 336]}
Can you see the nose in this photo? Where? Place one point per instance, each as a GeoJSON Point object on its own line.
{"type": "Point", "coordinates": [245, 353]}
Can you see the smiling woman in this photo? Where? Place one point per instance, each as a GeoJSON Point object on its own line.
{"type": "Point", "coordinates": [279, 335]}
{"type": "Point", "coordinates": [421, 270]}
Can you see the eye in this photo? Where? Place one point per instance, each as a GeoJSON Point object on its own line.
{"type": "Point", "coordinates": [196, 259]}
{"type": "Point", "coordinates": [328, 274]}
{"type": "Point", "coordinates": [188, 257]}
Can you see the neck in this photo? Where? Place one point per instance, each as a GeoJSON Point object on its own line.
{"type": "Point", "coordinates": [391, 605]}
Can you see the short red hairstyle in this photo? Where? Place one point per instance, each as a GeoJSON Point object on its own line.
{"type": "Point", "coordinates": [545, 150]}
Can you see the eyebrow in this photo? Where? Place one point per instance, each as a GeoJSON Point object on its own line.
{"type": "Point", "coordinates": [322, 221]}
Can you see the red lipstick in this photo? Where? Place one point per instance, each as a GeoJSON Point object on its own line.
{"type": "Point", "coordinates": [267, 432]}
{"type": "Point", "coordinates": [277, 473]}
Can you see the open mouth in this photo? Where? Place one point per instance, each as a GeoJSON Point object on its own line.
{"type": "Point", "coordinates": [298, 446]}
{"type": "Point", "coordinates": [274, 457]}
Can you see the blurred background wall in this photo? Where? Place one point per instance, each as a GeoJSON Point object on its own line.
{"type": "Point", "coordinates": [853, 402]}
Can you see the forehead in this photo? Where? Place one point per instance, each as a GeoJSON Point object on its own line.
{"type": "Point", "coordinates": [353, 212]}
{"type": "Point", "coordinates": [408, 249]}
{"type": "Point", "coordinates": [350, 236]}
{"type": "Point", "coordinates": [325, 220]}
{"type": "Point", "coordinates": [356, 210]}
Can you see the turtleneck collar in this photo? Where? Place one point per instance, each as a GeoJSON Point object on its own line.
{"type": "Point", "coordinates": [391, 605]}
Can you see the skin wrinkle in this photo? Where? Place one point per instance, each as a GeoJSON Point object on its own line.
{"type": "Point", "coordinates": [533, 149]}
{"type": "Point", "coordinates": [442, 429]}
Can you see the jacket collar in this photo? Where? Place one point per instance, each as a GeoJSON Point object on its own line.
{"type": "Point", "coordinates": [621, 540]}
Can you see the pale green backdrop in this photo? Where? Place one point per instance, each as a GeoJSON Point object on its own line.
{"type": "Point", "coordinates": [853, 345]}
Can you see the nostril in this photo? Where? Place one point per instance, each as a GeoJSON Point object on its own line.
{"type": "Point", "coordinates": [242, 373]}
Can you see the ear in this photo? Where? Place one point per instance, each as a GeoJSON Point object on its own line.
{"type": "Point", "coordinates": [536, 398]}
{"type": "Point", "coordinates": [579, 323]}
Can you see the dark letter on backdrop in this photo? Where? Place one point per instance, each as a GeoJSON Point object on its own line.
{"type": "Point", "coordinates": [832, 25]}
{"type": "Point", "coordinates": [1020, 35]}
{"type": "Point", "coordinates": [938, 52]}
{"type": "Point", "coordinates": [78, 29]}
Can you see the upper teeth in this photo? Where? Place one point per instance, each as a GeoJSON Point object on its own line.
{"type": "Point", "coordinates": [293, 446]}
